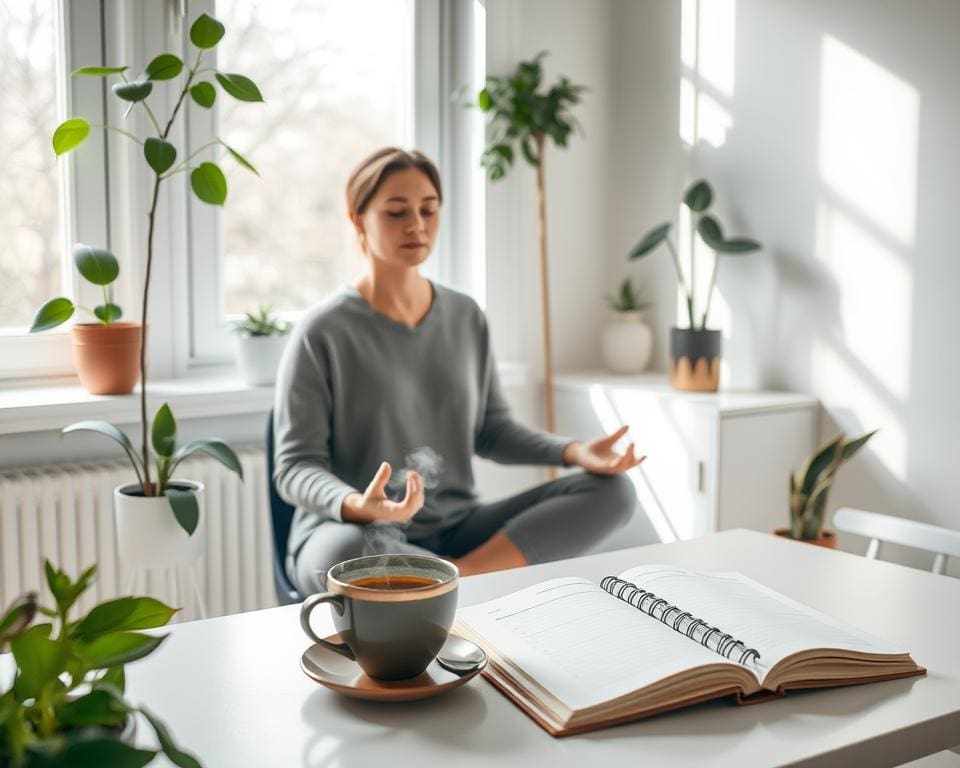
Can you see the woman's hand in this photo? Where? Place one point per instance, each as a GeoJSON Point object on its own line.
{"type": "Point", "coordinates": [373, 504]}
{"type": "Point", "coordinates": [598, 455]}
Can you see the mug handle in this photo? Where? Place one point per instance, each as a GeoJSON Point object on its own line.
{"type": "Point", "coordinates": [307, 608]}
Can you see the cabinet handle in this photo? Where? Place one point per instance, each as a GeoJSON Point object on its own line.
{"type": "Point", "coordinates": [701, 470]}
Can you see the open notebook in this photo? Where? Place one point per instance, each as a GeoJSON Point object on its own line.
{"type": "Point", "coordinates": [578, 656]}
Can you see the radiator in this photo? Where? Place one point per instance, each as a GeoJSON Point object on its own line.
{"type": "Point", "coordinates": [65, 513]}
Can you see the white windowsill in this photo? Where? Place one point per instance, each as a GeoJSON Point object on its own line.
{"type": "Point", "coordinates": [51, 406]}
{"type": "Point", "coordinates": [45, 407]}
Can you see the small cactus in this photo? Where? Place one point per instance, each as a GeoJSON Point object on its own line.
{"type": "Point", "coordinates": [810, 486]}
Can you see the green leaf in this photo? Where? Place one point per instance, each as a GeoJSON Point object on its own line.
{"type": "Point", "coordinates": [241, 159]}
{"type": "Point", "coordinates": [651, 240]}
{"type": "Point", "coordinates": [185, 508]}
{"type": "Point", "coordinates": [8, 705]}
{"type": "Point", "coordinates": [698, 196]}
{"type": "Point", "coordinates": [206, 31]}
{"type": "Point", "coordinates": [174, 754]}
{"type": "Point", "coordinates": [122, 615]}
{"type": "Point", "coordinates": [817, 463]}
{"type": "Point", "coordinates": [209, 183]}
{"type": "Point", "coordinates": [738, 245]}
{"type": "Point", "coordinates": [526, 147]}
{"type": "Point", "coordinates": [851, 447]}
{"type": "Point", "coordinates": [39, 661]}
{"type": "Point", "coordinates": [215, 448]}
{"type": "Point", "coordinates": [108, 313]}
{"type": "Point", "coordinates": [240, 87]}
{"type": "Point", "coordinates": [133, 92]}
{"type": "Point", "coordinates": [106, 428]}
{"type": "Point", "coordinates": [98, 753]}
{"type": "Point", "coordinates": [483, 100]}
{"type": "Point", "coordinates": [160, 154]}
{"type": "Point", "coordinates": [53, 313]}
{"type": "Point", "coordinates": [709, 229]}
{"type": "Point", "coordinates": [98, 71]}
{"type": "Point", "coordinates": [97, 265]}
{"type": "Point", "coordinates": [70, 134]}
{"type": "Point", "coordinates": [166, 66]}
{"type": "Point", "coordinates": [60, 586]}
{"type": "Point", "coordinates": [204, 94]}
{"type": "Point", "coordinates": [116, 678]}
{"type": "Point", "coordinates": [98, 707]}
{"type": "Point", "coordinates": [18, 617]}
{"type": "Point", "coordinates": [163, 434]}
{"type": "Point", "coordinates": [117, 648]}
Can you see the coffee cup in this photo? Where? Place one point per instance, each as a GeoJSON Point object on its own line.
{"type": "Point", "coordinates": [393, 612]}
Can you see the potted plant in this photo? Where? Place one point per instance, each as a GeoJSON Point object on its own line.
{"type": "Point", "coordinates": [521, 120]}
{"type": "Point", "coordinates": [627, 341]}
{"type": "Point", "coordinates": [106, 352]}
{"type": "Point", "coordinates": [810, 487]}
{"type": "Point", "coordinates": [64, 704]}
{"type": "Point", "coordinates": [261, 337]}
{"type": "Point", "coordinates": [695, 350]}
{"type": "Point", "coordinates": [177, 503]}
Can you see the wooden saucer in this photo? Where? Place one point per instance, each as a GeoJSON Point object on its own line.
{"type": "Point", "coordinates": [339, 674]}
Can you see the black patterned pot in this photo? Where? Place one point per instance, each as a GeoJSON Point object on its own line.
{"type": "Point", "coordinates": [694, 359]}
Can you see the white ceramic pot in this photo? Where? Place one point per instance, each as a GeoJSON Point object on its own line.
{"type": "Point", "coordinates": [148, 534]}
{"type": "Point", "coordinates": [627, 343]}
{"type": "Point", "coordinates": [258, 358]}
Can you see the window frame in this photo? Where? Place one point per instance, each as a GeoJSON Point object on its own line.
{"type": "Point", "coordinates": [84, 194]}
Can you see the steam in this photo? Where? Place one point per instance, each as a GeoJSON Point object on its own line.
{"type": "Point", "coordinates": [382, 537]}
{"type": "Point", "coordinates": [426, 462]}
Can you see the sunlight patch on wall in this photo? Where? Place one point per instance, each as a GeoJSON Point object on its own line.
{"type": "Point", "coordinates": [688, 112]}
{"type": "Point", "coordinates": [688, 33]}
{"type": "Point", "coordinates": [842, 388]}
{"type": "Point", "coordinates": [876, 297]}
{"type": "Point", "coordinates": [869, 124]}
{"type": "Point", "coordinates": [715, 44]}
{"type": "Point", "coordinates": [713, 121]}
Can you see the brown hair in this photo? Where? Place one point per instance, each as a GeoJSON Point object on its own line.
{"type": "Point", "coordinates": [374, 169]}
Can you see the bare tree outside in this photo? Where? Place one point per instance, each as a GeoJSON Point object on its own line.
{"type": "Point", "coordinates": [30, 247]}
{"type": "Point", "coordinates": [336, 81]}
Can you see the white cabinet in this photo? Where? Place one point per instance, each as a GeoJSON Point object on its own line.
{"type": "Point", "coordinates": [714, 461]}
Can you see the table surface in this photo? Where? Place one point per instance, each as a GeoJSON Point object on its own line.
{"type": "Point", "coordinates": [231, 689]}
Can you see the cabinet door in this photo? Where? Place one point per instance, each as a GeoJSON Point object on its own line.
{"type": "Point", "coordinates": [675, 483]}
{"type": "Point", "coordinates": [757, 453]}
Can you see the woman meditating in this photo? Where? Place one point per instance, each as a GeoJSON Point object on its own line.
{"type": "Point", "coordinates": [393, 365]}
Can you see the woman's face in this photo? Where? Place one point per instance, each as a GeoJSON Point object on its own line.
{"type": "Point", "coordinates": [400, 223]}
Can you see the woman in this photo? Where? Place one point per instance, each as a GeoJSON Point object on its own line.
{"type": "Point", "coordinates": [394, 365]}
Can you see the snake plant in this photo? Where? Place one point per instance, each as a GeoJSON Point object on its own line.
{"type": "Point", "coordinates": [810, 486]}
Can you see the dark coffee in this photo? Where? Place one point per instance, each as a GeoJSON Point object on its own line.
{"type": "Point", "coordinates": [394, 582]}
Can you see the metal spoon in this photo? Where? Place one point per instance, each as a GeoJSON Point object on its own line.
{"type": "Point", "coordinates": [460, 655]}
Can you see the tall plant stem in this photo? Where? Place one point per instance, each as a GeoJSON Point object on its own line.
{"type": "Point", "coordinates": [544, 283]}
{"type": "Point", "coordinates": [713, 280]}
{"type": "Point", "coordinates": [148, 486]}
{"type": "Point", "coordinates": [683, 283]}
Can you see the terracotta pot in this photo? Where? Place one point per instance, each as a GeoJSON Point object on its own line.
{"type": "Point", "coordinates": [694, 359]}
{"type": "Point", "coordinates": [107, 357]}
{"type": "Point", "coordinates": [829, 539]}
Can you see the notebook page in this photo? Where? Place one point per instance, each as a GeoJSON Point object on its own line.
{"type": "Point", "coordinates": [581, 644]}
{"type": "Point", "coordinates": [773, 624]}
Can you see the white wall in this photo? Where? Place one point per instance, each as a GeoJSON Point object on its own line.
{"type": "Point", "coordinates": [829, 132]}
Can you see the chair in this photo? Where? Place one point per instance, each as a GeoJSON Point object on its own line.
{"type": "Point", "coordinates": [944, 542]}
{"type": "Point", "coordinates": [281, 517]}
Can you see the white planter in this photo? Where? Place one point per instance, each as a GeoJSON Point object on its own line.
{"type": "Point", "coordinates": [148, 534]}
{"type": "Point", "coordinates": [627, 343]}
{"type": "Point", "coordinates": [258, 358]}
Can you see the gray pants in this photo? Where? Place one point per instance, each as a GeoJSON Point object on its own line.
{"type": "Point", "coordinates": [561, 518]}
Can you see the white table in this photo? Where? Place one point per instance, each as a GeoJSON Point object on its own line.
{"type": "Point", "coordinates": [231, 689]}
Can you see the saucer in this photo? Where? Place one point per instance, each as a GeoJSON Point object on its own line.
{"type": "Point", "coordinates": [340, 674]}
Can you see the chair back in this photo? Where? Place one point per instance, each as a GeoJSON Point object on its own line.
{"type": "Point", "coordinates": [281, 518]}
{"type": "Point", "coordinates": [944, 542]}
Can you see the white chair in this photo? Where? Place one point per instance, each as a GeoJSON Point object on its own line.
{"type": "Point", "coordinates": [944, 542]}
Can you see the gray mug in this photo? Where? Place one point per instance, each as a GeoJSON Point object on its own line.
{"type": "Point", "coordinates": [393, 612]}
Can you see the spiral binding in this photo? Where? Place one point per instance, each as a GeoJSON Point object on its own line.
{"type": "Point", "coordinates": [709, 637]}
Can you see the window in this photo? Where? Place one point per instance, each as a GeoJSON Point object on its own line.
{"type": "Point", "coordinates": [45, 203]}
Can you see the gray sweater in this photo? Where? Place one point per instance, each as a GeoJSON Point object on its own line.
{"type": "Point", "coordinates": [356, 388]}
